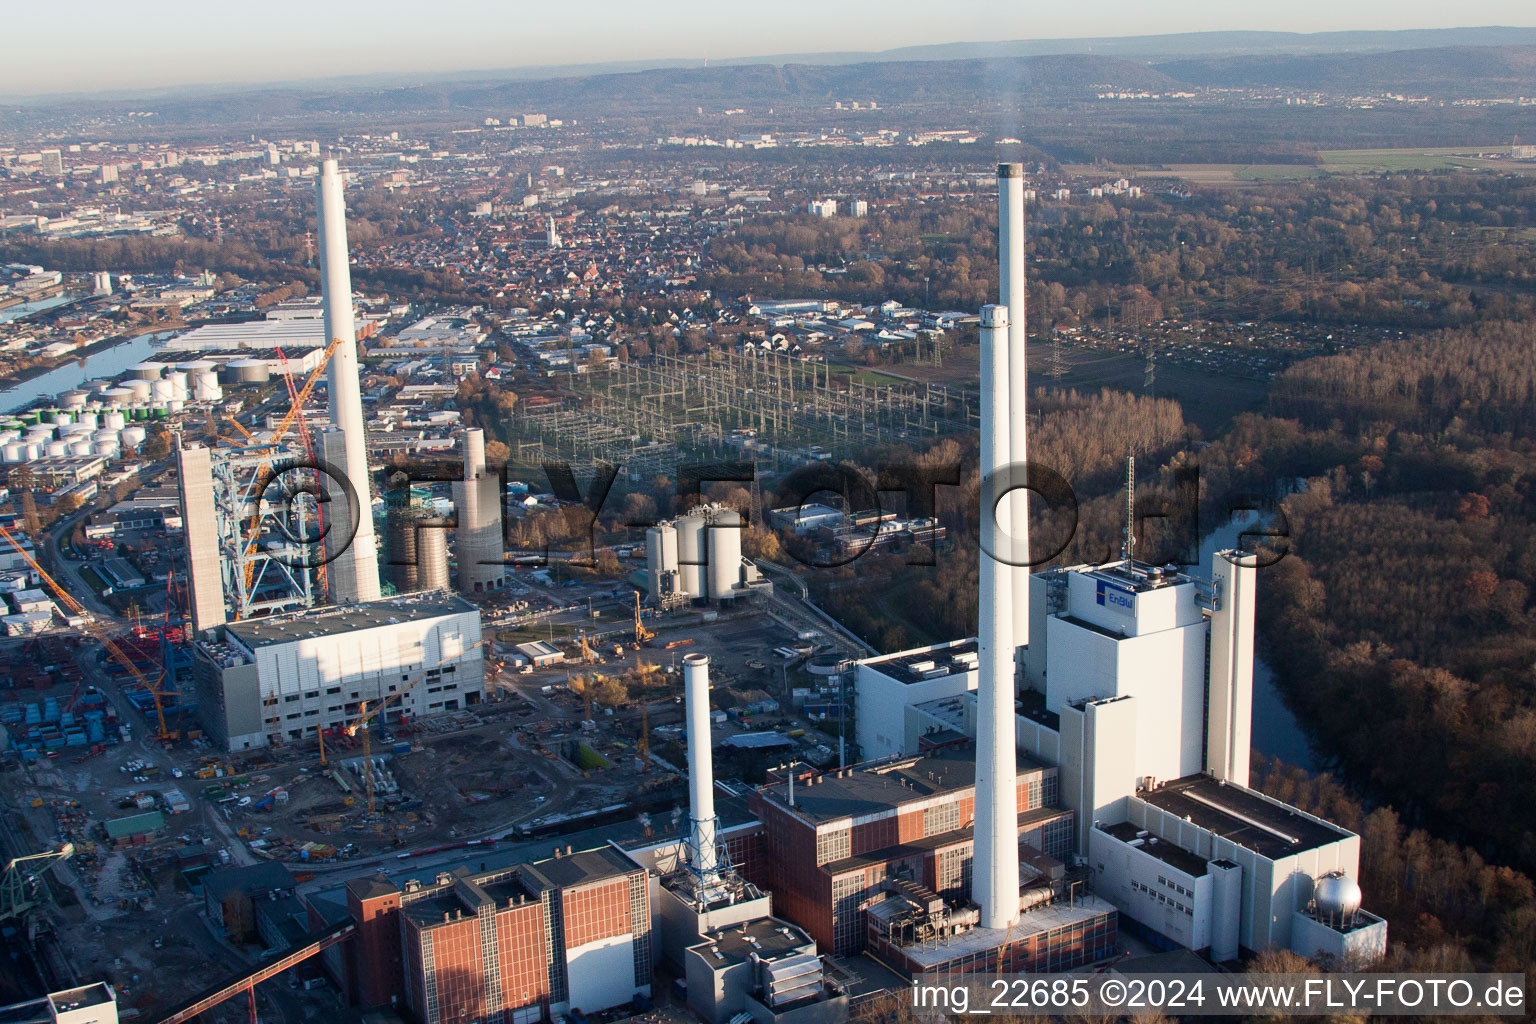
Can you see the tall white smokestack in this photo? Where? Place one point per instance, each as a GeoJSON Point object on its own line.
{"type": "Point", "coordinates": [353, 575]}
{"type": "Point", "coordinates": [1010, 252]}
{"type": "Point", "coordinates": [701, 771]}
{"type": "Point", "coordinates": [995, 870]}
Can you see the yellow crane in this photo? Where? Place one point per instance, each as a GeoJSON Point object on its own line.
{"type": "Point", "coordinates": [294, 412]}
{"type": "Point", "coordinates": [96, 631]}
{"type": "Point", "coordinates": [641, 633]}
{"type": "Point", "coordinates": [366, 715]}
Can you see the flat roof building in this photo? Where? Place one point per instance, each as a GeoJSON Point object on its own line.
{"type": "Point", "coordinates": [284, 678]}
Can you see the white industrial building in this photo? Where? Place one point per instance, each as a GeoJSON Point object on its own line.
{"type": "Point", "coordinates": [282, 679]}
{"type": "Point", "coordinates": [890, 687]}
{"type": "Point", "coordinates": [1139, 685]}
{"type": "Point", "coordinates": [697, 557]}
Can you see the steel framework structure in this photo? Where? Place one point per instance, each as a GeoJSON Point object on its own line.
{"type": "Point", "coordinates": [268, 527]}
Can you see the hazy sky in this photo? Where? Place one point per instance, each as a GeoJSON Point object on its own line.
{"type": "Point", "coordinates": [87, 45]}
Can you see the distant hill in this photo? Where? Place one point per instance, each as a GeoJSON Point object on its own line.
{"type": "Point", "coordinates": [946, 85]}
{"type": "Point", "coordinates": [668, 90]}
{"type": "Point", "coordinates": [1462, 71]}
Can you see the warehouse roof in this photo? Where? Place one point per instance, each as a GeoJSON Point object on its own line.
{"type": "Point", "coordinates": [281, 629]}
{"type": "Point", "coordinates": [135, 824]}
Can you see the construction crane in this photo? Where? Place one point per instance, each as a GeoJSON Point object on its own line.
{"type": "Point", "coordinates": [642, 635]}
{"type": "Point", "coordinates": [20, 885]}
{"type": "Point", "coordinates": [96, 631]}
{"type": "Point", "coordinates": [294, 413]}
{"type": "Point", "coordinates": [366, 715]}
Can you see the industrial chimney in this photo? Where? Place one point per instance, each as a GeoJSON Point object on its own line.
{"type": "Point", "coordinates": [353, 572]}
{"type": "Point", "coordinates": [995, 869]}
{"type": "Point", "coordinates": [1012, 295]}
{"type": "Point", "coordinates": [701, 773]}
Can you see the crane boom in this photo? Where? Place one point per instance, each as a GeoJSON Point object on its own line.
{"type": "Point", "coordinates": [367, 715]}
{"type": "Point", "coordinates": [94, 629]}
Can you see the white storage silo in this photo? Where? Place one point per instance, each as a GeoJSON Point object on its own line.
{"type": "Point", "coordinates": [660, 558]}
{"type": "Point", "coordinates": [79, 446]}
{"type": "Point", "coordinates": [205, 386]}
{"type": "Point", "coordinates": [106, 449]}
{"type": "Point", "coordinates": [40, 432]}
{"type": "Point", "coordinates": [70, 431]}
{"type": "Point", "coordinates": [147, 371]}
{"type": "Point", "coordinates": [161, 391]}
{"type": "Point", "coordinates": [724, 555]}
{"type": "Point", "coordinates": [7, 436]}
{"type": "Point", "coordinates": [118, 397]}
{"type": "Point", "coordinates": [60, 417]}
{"type": "Point", "coordinates": [179, 386]}
{"type": "Point", "coordinates": [114, 421]}
{"type": "Point", "coordinates": [74, 399]}
{"type": "Point", "coordinates": [132, 436]}
{"type": "Point", "coordinates": [55, 449]}
{"type": "Point", "coordinates": [88, 419]}
{"type": "Point", "coordinates": [14, 451]}
{"type": "Point", "coordinates": [33, 451]}
{"type": "Point", "coordinates": [691, 555]}
{"type": "Point", "coordinates": [138, 391]}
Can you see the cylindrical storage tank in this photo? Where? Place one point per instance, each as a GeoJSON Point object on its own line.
{"type": "Point", "coordinates": [72, 430]}
{"type": "Point", "coordinates": [33, 451]}
{"type": "Point", "coordinates": [40, 432]}
{"type": "Point", "coordinates": [658, 539]}
{"type": "Point", "coordinates": [690, 555]}
{"type": "Point", "coordinates": [7, 436]}
{"type": "Point", "coordinates": [88, 419]}
{"type": "Point", "coordinates": [400, 566]}
{"type": "Point", "coordinates": [179, 385]}
{"type": "Point", "coordinates": [74, 399]}
{"type": "Point", "coordinates": [100, 387]}
{"type": "Point", "coordinates": [205, 386]}
{"type": "Point", "coordinates": [251, 371]}
{"type": "Point", "coordinates": [60, 417]}
{"type": "Point", "coordinates": [105, 435]}
{"type": "Point", "coordinates": [176, 404]}
{"type": "Point", "coordinates": [81, 446]}
{"type": "Point", "coordinates": [147, 371]}
{"type": "Point", "coordinates": [193, 366]}
{"type": "Point", "coordinates": [106, 449]}
{"type": "Point", "coordinates": [432, 556]}
{"type": "Point", "coordinates": [161, 391]}
{"type": "Point", "coordinates": [119, 397]}
{"type": "Point", "coordinates": [724, 555]}
{"type": "Point", "coordinates": [132, 436]}
{"type": "Point", "coordinates": [114, 421]}
{"type": "Point", "coordinates": [55, 449]}
{"type": "Point", "coordinates": [15, 452]}
{"type": "Point", "coordinates": [701, 769]}
{"type": "Point", "coordinates": [138, 390]}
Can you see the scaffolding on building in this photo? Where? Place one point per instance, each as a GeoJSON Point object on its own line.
{"type": "Point", "coordinates": [268, 528]}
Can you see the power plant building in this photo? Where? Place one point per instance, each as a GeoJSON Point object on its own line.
{"type": "Point", "coordinates": [522, 944]}
{"type": "Point", "coordinates": [697, 557]}
{"type": "Point", "coordinates": [281, 679]}
{"type": "Point", "coordinates": [477, 498]}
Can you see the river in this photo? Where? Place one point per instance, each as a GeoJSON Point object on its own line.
{"type": "Point", "coordinates": [108, 362]}
{"type": "Point", "coordinates": [1276, 732]}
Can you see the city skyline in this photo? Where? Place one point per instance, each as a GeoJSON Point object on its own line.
{"type": "Point", "coordinates": [111, 48]}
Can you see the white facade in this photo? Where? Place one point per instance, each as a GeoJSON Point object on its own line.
{"type": "Point", "coordinates": [823, 208]}
{"type": "Point", "coordinates": [315, 671]}
{"type": "Point", "coordinates": [886, 686]}
{"type": "Point", "coordinates": [1174, 901]}
{"type": "Point", "coordinates": [1274, 888]}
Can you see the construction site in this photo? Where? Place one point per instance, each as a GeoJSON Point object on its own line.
{"type": "Point", "coordinates": [771, 408]}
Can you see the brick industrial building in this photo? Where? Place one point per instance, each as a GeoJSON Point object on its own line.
{"type": "Point", "coordinates": [503, 947]}
{"type": "Point", "coordinates": [835, 845]}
